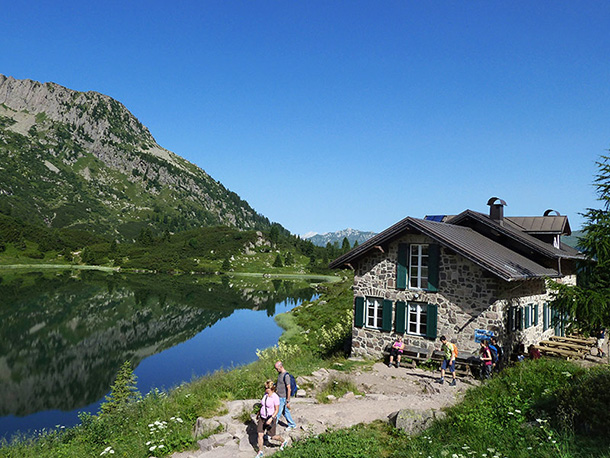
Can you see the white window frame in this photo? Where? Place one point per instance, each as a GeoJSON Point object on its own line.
{"type": "Point", "coordinates": [416, 261]}
{"type": "Point", "coordinates": [376, 304]}
{"type": "Point", "coordinates": [421, 311]}
{"type": "Point", "coordinates": [533, 315]}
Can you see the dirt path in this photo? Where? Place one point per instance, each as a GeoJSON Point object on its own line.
{"type": "Point", "coordinates": [386, 390]}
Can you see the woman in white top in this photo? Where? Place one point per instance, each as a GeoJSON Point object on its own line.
{"type": "Point", "coordinates": [267, 418]}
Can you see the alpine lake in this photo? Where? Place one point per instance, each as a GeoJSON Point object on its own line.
{"type": "Point", "coordinates": [65, 334]}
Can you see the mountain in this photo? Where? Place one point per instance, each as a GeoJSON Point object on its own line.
{"type": "Point", "coordinates": [572, 240]}
{"type": "Point", "coordinates": [352, 235]}
{"type": "Point", "coordinates": [81, 160]}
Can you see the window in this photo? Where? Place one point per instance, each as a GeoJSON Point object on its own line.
{"type": "Point", "coordinates": [374, 312]}
{"type": "Point", "coordinates": [418, 266]}
{"type": "Point", "coordinates": [417, 319]}
{"type": "Point", "coordinates": [546, 316]}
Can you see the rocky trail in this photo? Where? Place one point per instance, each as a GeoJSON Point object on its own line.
{"type": "Point", "coordinates": [386, 391]}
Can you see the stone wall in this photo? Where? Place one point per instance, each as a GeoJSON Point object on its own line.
{"type": "Point", "coordinates": [468, 298]}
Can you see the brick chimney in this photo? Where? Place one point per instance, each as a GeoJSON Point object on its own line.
{"type": "Point", "coordinates": [496, 209]}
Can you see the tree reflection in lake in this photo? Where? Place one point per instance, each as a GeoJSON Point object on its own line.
{"type": "Point", "coordinates": [64, 336]}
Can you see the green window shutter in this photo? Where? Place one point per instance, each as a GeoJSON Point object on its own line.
{"type": "Point", "coordinates": [386, 319]}
{"type": "Point", "coordinates": [535, 314]}
{"type": "Point", "coordinates": [401, 268]}
{"type": "Point", "coordinates": [545, 318]}
{"type": "Point", "coordinates": [433, 257]}
{"type": "Point", "coordinates": [431, 321]}
{"type": "Point", "coordinates": [511, 318]}
{"type": "Point", "coordinates": [359, 312]}
{"type": "Point", "coordinates": [528, 316]}
{"type": "Point", "coordinates": [401, 316]}
{"type": "Point", "coordinates": [520, 318]}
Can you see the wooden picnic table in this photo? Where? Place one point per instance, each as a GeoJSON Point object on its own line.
{"type": "Point", "coordinates": [565, 345]}
{"type": "Point", "coordinates": [554, 351]}
{"type": "Point", "coordinates": [590, 341]}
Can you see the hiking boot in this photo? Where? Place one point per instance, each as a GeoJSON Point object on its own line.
{"type": "Point", "coordinates": [441, 381]}
{"type": "Point", "coordinates": [389, 364]}
{"type": "Point", "coordinates": [452, 383]}
{"type": "Point", "coordinates": [290, 428]}
{"type": "Point", "coordinates": [397, 365]}
{"type": "Point", "coordinates": [284, 444]}
{"type": "Point", "coordinates": [260, 454]}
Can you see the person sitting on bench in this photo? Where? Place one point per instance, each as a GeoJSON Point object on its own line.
{"type": "Point", "coordinates": [396, 351]}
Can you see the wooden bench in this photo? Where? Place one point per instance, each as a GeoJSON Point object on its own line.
{"type": "Point", "coordinates": [557, 351]}
{"type": "Point", "coordinates": [465, 363]}
{"type": "Point", "coordinates": [584, 342]}
{"type": "Point", "coordinates": [566, 345]}
{"type": "Point", "coordinates": [413, 354]}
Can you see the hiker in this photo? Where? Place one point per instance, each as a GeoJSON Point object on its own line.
{"type": "Point", "coordinates": [267, 418]}
{"type": "Point", "coordinates": [396, 351]}
{"type": "Point", "coordinates": [500, 351]}
{"type": "Point", "coordinates": [494, 354]}
{"type": "Point", "coordinates": [284, 392]}
{"type": "Point", "coordinates": [519, 351]}
{"type": "Point", "coordinates": [485, 353]}
{"type": "Point", "coordinates": [449, 351]}
{"type": "Point", "coordinates": [601, 336]}
{"type": "Point", "coordinates": [533, 352]}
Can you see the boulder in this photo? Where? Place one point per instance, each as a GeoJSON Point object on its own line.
{"type": "Point", "coordinates": [414, 421]}
{"type": "Point", "coordinates": [204, 425]}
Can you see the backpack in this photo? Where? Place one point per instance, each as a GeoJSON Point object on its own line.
{"type": "Point", "coordinates": [293, 384]}
{"type": "Point", "coordinates": [494, 353]}
{"type": "Point", "coordinates": [455, 350]}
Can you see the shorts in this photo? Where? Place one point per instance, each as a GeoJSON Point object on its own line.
{"type": "Point", "coordinates": [448, 364]}
{"type": "Point", "coordinates": [395, 351]}
{"type": "Point", "coordinates": [262, 426]}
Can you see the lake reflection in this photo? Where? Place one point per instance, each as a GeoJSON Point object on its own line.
{"type": "Point", "coordinates": [64, 336]}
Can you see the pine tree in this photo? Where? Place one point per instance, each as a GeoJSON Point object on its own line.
{"type": "Point", "coordinates": [289, 260]}
{"type": "Point", "coordinates": [588, 303]}
{"type": "Point", "coordinates": [278, 261]}
{"type": "Point", "coordinates": [123, 391]}
{"type": "Point", "coordinates": [345, 246]}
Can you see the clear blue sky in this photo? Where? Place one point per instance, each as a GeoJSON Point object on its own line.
{"type": "Point", "coordinates": [325, 115]}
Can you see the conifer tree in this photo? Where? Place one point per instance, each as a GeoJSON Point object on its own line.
{"type": "Point", "coordinates": [278, 261]}
{"type": "Point", "coordinates": [345, 246]}
{"type": "Point", "coordinates": [123, 391]}
{"type": "Point", "coordinates": [588, 303]}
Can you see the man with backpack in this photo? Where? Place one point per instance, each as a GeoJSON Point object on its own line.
{"type": "Point", "coordinates": [449, 353]}
{"type": "Point", "coordinates": [286, 388]}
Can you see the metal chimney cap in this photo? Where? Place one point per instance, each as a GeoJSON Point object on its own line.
{"type": "Point", "coordinates": [549, 211]}
{"type": "Point", "coordinates": [492, 201]}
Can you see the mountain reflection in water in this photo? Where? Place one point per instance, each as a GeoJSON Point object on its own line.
{"type": "Point", "coordinates": [64, 336]}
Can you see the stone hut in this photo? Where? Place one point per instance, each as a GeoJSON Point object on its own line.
{"type": "Point", "coordinates": [467, 276]}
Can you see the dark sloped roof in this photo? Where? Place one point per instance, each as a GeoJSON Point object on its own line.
{"type": "Point", "coordinates": [480, 249]}
{"type": "Point", "coordinates": [515, 232]}
{"type": "Point", "coordinates": [490, 255]}
{"type": "Point", "coordinates": [550, 224]}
